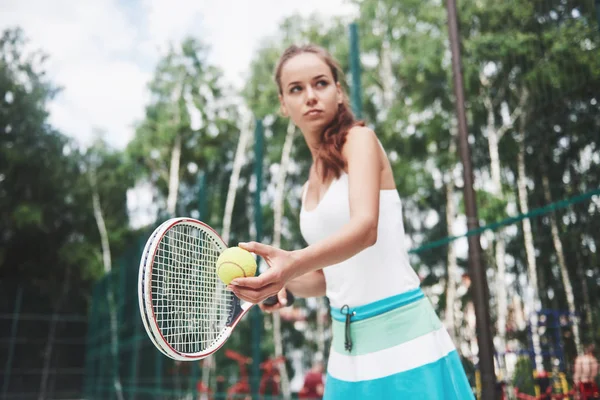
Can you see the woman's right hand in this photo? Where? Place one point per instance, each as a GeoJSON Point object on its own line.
{"type": "Point", "coordinates": [282, 302]}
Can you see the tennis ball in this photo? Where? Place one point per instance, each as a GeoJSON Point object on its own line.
{"type": "Point", "coordinates": [235, 262]}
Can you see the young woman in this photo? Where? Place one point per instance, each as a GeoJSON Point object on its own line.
{"type": "Point", "coordinates": [388, 343]}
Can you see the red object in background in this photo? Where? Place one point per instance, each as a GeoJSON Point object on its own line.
{"type": "Point", "coordinates": [588, 391]}
{"type": "Point", "coordinates": [270, 376]}
{"type": "Point", "coordinates": [313, 384]}
{"type": "Point", "coordinates": [243, 385]}
{"type": "Point", "coordinates": [202, 389]}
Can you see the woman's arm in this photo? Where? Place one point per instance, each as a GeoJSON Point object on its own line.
{"type": "Point", "coordinates": [363, 156]}
{"type": "Point", "coordinates": [308, 285]}
{"type": "Point", "coordinates": [311, 284]}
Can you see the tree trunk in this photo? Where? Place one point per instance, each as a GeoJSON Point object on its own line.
{"type": "Point", "coordinates": [107, 262]}
{"type": "Point", "coordinates": [387, 76]}
{"type": "Point", "coordinates": [577, 240]}
{"type": "Point", "coordinates": [560, 255]}
{"type": "Point", "coordinates": [587, 304]}
{"type": "Point", "coordinates": [278, 209]}
{"type": "Point", "coordinates": [493, 138]}
{"type": "Point", "coordinates": [99, 217]}
{"type": "Point", "coordinates": [532, 294]}
{"type": "Point", "coordinates": [502, 298]}
{"type": "Point", "coordinates": [174, 176]}
{"type": "Point", "coordinates": [449, 315]}
{"type": "Point", "coordinates": [238, 162]}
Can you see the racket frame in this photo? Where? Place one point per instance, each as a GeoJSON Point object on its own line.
{"type": "Point", "coordinates": [238, 310]}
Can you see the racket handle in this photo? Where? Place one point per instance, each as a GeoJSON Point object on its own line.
{"type": "Point", "coordinates": [271, 301]}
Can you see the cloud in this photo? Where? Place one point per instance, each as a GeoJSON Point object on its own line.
{"type": "Point", "coordinates": [90, 47]}
{"type": "Point", "coordinates": [235, 28]}
{"type": "Point", "coordinates": [103, 52]}
{"type": "Point", "coordinates": [107, 96]}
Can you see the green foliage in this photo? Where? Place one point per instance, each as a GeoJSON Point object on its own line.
{"type": "Point", "coordinates": [538, 58]}
{"type": "Point", "coordinates": [50, 245]}
{"type": "Point", "coordinates": [40, 202]}
{"type": "Point", "coordinates": [188, 101]}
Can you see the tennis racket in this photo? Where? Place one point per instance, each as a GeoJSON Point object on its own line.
{"type": "Point", "coordinates": [186, 309]}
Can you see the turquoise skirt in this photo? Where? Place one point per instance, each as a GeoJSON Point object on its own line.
{"type": "Point", "coordinates": [395, 348]}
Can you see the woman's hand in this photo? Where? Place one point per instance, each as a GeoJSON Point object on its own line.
{"type": "Point", "coordinates": [257, 289]}
{"type": "Point", "coordinates": [282, 302]}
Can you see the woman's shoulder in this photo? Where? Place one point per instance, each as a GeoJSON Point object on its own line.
{"type": "Point", "coordinates": [361, 138]}
{"type": "Point", "coordinates": [361, 131]}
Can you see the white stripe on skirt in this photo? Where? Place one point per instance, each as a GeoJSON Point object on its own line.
{"type": "Point", "coordinates": [403, 357]}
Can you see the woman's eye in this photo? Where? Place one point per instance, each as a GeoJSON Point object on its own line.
{"type": "Point", "coordinates": [322, 83]}
{"type": "Point", "coordinates": [295, 89]}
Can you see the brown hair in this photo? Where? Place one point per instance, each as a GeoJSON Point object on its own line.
{"type": "Point", "coordinates": [333, 136]}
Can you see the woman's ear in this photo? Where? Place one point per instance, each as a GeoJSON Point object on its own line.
{"type": "Point", "coordinates": [340, 93]}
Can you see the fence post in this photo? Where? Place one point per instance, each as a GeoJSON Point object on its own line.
{"type": "Point", "coordinates": [136, 333]}
{"type": "Point", "coordinates": [256, 316]}
{"type": "Point", "coordinates": [13, 335]}
{"type": "Point", "coordinates": [355, 71]}
{"type": "Point", "coordinates": [89, 348]}
{"type": "Point", "coordinates": [202, 197]}
{"type": "Point", "coordinates": [476, 266]}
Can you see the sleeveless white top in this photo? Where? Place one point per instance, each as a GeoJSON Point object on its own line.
{"type": "Point", "coordinates": [377, 272]}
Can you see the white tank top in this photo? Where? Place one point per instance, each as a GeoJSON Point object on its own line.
{"type": "Point", "coordinates": [377, 272]}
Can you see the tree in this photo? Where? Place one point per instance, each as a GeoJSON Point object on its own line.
{"type": "Point", "coordinates": [528, 49]}
{"type": "Point", "coordinates": [46, 204]}
{"type": "Point", "coordinates": [189, 124]}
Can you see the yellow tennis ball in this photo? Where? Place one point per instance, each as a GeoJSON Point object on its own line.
{"type": "Point", "coordinates": [235, 262]}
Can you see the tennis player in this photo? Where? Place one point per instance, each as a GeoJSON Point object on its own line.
{"type": "Point", "coordinates": [388, 342]}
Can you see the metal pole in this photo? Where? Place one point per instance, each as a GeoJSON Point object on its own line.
{"type": "Point", "coordinates": [137, 322]}
{"type": "Point", "coordinates": [256, 316]}
{"type": "Point", "coordinates": [356, 88]}
{"type": "Point", "coordinates": [158, 374]}
{"type": "Point", "coordinates": [97, 329]}
{"type": "Point", "coordinates": [476, 268]}
{"type": "Point", "coordinates": [11, 348]}
{"type": "Point", "coordinates": [89, 361]}
{"type": "Point", "coordinates": [202, 206]}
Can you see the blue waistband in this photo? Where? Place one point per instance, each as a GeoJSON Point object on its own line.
{"type": "Point", "coordinates": [377, 307]}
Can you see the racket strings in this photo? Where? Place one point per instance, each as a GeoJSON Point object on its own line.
{"type": "Point", "coordinates": [190, 302]}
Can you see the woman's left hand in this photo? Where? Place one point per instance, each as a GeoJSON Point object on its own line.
{"type": "Point", "coordinates": [259, 288]}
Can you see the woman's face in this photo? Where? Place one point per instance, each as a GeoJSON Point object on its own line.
{"type": "Point", "coordinates": [309, 94]}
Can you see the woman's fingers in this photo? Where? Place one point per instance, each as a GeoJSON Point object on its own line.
{"type": "Point", "coordinates": [255, 296]}
{"type": "Point", "coordinates": [255, 282]}
{"type": "Point", "coordinates": [262, 250]}
{"type": "Point", "coordinates": [282, 297]}
{"type": "Point", "coordinates": [282, 301]}
{"type": "Point", "coordinates": [267, 278]}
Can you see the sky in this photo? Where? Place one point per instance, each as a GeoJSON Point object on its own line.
{"type": "Point", "coordinates": [103, 52]}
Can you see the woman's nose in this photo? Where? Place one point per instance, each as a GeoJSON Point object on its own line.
{"type": "Point", "coordinates": [310, 95]}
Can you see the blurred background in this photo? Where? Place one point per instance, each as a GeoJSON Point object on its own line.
{"type": "Point", "coordinates": [117, 115]}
